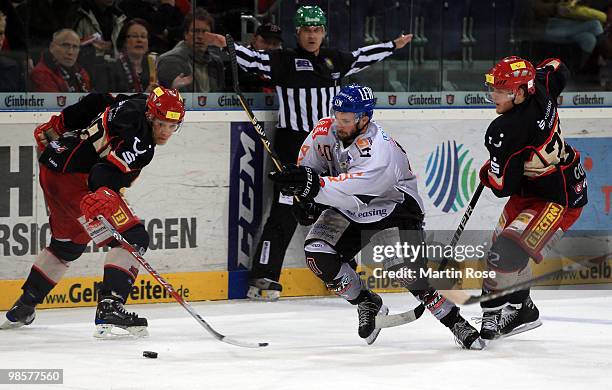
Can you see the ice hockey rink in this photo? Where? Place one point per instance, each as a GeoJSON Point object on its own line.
{"type": "Point", "coordinates": [314, 345]}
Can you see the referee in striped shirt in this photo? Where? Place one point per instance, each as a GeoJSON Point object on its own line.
{"type": "Point", "coordinates": [306, 79]}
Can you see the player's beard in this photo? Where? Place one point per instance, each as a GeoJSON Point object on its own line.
{"type": "Point", "coordinates": [347, 138]}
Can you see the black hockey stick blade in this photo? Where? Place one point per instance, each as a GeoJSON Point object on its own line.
{"type": "Point", "coordinates": [168, 287]}
{"type": "Point", "coordinates": [460, 297]}
{"type": "Point", "coordinates": [391, 320]}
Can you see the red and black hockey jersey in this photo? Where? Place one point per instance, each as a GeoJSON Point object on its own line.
{"type": "Point", "coordinates": [110, 134]}
{"type": "Point", "coordinates": [528, 153]}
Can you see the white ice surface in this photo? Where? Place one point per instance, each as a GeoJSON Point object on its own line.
{"type": "Point", "coordinates": [314, 345]}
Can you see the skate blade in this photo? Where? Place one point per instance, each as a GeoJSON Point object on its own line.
{"type": "Point", "coordinates": [523, 328]}
{"type": "Point", "coordinates": [263, 295]}
{"type": "Point", "coordinates": [478, 345]}
{"type": "Point", "coordinates": [11, 325]}
{"type": "Point", "coordinates": [384, 310]}
{"type": "Point", "coordinates": [108, 332]}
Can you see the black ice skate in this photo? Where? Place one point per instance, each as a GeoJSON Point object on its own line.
{"type": "Point", "coordinates": [111, 314]}
{"type": "Point", "coordinates": [19, 315]}
{"type": "Point", "coordinates": [519, 318]}
{"type": "Point", "coordinates": [264, 289]}
{"type": "Point", "coordinates": [466, 336]}
{"type": "Point", "coordinates": [367, 311]}
{"type": "Point", "coordinates": [489, 329]}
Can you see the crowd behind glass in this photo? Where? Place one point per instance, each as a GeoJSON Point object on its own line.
{"type": "Point", "coordinates": [131, 45]}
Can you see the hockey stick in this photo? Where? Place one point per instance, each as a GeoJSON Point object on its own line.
{"type": "Point", "coordinates": [466, 217]}
{"type": "Point", "coordinates": [462, 298]}
{"type": "Point", "coordinates": [231, 49]}
{"type": "Point", "coordinates": [128, 247]}
{"type": "Point", "coordinates": [392, 320]}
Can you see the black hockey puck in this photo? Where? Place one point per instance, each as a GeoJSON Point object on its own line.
{"type": "Point", "coordinates": [150, 354]}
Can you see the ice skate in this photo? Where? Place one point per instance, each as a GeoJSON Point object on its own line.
{"type": "Point", "coordinates": [466, 336]}
{"type": "Point", "coordinates": [519, 318]}
{"type": "Point", "coordinates": [489, 329]}
{"type": "Point", "coordinates": [111, 314]}
{"type": "Point", "coordinates": [367, 311]}
{"type": "Point", "coordinates": [19, 315]}
{"type": "Point", "coordinates": [264, 289]}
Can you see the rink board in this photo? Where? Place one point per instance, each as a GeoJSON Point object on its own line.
{"type": "Point", "coordinates": [204, 197]}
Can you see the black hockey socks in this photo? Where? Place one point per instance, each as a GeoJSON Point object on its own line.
{"type": "Point", "coordinates": [36, 287]}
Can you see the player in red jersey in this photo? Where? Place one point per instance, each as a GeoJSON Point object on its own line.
{"type": "Point", "coordinates": [91, 151]}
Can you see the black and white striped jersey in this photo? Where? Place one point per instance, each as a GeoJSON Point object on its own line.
{"type": "Point", "coordinates": [306, 83]}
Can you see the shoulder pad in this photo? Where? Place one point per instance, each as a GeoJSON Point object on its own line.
{"type": "Point", "coordinates": [322, 127]}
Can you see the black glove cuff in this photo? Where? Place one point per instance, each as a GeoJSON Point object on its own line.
{"type": "Point", "coordinates": [312, 185]}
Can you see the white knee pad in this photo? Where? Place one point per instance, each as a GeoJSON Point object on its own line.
{"type": "Point", "coordinates": [50, 265]}
{"type": "Point", "coordinates": [320, 247]}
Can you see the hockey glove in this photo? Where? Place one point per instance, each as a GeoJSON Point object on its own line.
{"type": "Point", "coordinates": [50, 131]}
{"type": "Point", "coordinates": [297, 180]}
{"type": "Point", "coordinates": [102, 202]}
{"type": "Point", "coordinates": [484, 174]}
{"type": "Point", "coordinates": [306, 213]}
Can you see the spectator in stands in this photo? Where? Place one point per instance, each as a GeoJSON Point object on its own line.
{"type": "Point", "coordinates": [57, 70]}
{"type": "Point", "coordinates": [9, 68]}
{"type": "Point", "coordinates": [14, 38]}
{"type": "Point", "coordinates": [547, 20]}
{"type": "Point", "coordinates": [198, 69]}
{"type": "Point", "coordinates": [164, 18]}
{"type": "Point", "coordinates": [99, 17]}
{"type": "Point", "coordinates": [134, 69]}
{"type": "Point", "coordinates": [2, 29]}
{"type": "Point", "coordinates": [267, 37]}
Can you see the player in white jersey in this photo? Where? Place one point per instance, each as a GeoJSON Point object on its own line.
{"type": "Point", "coordinates": [354, 182]}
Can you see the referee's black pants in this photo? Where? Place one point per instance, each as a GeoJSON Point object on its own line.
{"type": "Point", "coordinates": [281, 224]}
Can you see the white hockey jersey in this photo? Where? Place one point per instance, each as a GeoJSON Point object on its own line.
{"type": "Point", "coordinates": [366, 180]}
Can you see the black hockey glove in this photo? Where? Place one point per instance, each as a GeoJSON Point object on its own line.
{"type": "Point", "coordinates": [297, 180]}
{"type": "Point", "coordinates": [306, 213]}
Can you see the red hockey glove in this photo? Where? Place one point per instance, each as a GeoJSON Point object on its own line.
{"type": "Point", "coordinates": [49, 131]}
{"type": "Point", "coordinates": [484, 174]}
{"type": "Point", "coordinates": [102, 202]}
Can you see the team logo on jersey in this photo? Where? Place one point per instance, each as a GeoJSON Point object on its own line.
{"type": "Point", "coordinates": [303, 64]}
{"type": "Point", "coordinates": [202, 101]}
{"type": "Point", "coordinates": [119, 217]}
{"type": "Point", "coordinates": [392, 99]}
{"type": "Point", "coordinates": [57, 147]}
{"type": "Point", "coordinates": [61, 100]}
{"type": "Point", "coordinates": [450, 176]}
{"type": "Point", "coordinates": [364, 146]}
{"type": "Point", "coordinates": [450, 99]}
{"type": "Point", "coordinates": [322, 128]}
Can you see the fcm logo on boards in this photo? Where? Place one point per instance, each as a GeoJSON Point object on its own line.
{"type": "Point", "coordinates": [450, 179]}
